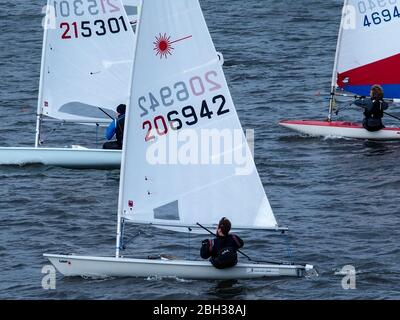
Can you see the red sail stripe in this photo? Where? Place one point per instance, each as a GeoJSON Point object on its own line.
{"type": "Point", "coordinates": [385, 71]}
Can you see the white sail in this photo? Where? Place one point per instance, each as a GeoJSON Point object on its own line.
{"type": "Point", "coordinates": [88, 57]}
{"type": "Point", "coordinates": [178, 82]}
{"type": "Point", "coordinates": [368, 48]}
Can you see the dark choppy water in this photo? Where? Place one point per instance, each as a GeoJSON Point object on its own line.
{"type": "Point", "coordinates": [340, 198]}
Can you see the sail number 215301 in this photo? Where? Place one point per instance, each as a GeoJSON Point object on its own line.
{"type": "Point", "coordinates": [80, 8]}
{"type": "Point", "coordinates": [87, 29]}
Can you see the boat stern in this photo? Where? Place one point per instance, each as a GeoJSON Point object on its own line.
{"type": "Point", "coordinates": [310, 271]}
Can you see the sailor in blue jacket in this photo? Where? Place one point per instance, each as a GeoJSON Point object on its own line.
{"type": "Point", "coordinates": [116, 128]}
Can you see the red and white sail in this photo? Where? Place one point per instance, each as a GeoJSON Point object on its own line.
{"type": "Point", "coordinates": [368, 48]}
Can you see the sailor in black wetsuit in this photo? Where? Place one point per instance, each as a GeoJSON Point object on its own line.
{"type": "Point", "coordinates": [223, 249]}
{"type": "Point", "coordinates": [116, 128]}
{"type": "Point", "coordinates": [373, 109]}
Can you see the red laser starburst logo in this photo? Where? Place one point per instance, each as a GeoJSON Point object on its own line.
{"type": "Point", "coordinates": [163, 45]}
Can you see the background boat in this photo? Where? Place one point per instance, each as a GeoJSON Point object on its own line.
{"type": "Point", "coordinates": [84, 76]}
{"type": "Point", "coordinates": [365, 55]}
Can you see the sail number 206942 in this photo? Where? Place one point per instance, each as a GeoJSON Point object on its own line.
{"type": "Point", "coordinates": [208, 102]}
{"type": "Point", "coordinates": [187, 115]}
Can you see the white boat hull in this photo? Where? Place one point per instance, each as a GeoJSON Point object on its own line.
{"type": "Point", "coordinates": [102, 267]}
{"type": "Point", "coordinates": [62, 157]}
{"type": "Point", "coordinates": [340, 129]}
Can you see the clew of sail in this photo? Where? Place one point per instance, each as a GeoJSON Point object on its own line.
{"type": "Point", "coordinates": [170, 176]}
{"type": "Point", "coordinates": [87, 60]}
{"type": "Point", "coordinates": [368, 50]}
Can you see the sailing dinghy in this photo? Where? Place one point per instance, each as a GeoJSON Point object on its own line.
{"type": "Point", "coordinates": [367, 54]}
{"type": "Point", "coordinates": [179, 88]}
{"type": "Point", "coordinates": [87, 58]}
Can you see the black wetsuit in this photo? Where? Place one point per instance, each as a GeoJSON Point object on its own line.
{"type": "Point", "coordinates": [222, 250]}
{"type": "Point", "coordinates": [373, 113]}
{"type": "Point", "coordinates": [119, 131]}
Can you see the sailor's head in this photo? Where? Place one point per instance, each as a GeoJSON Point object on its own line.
{"type": "Point", "coordinates": [224, 226]}
{"type": "Point", "coordinates": [121, 109]}
{"type": "Point", "coordinates": [376, 92]}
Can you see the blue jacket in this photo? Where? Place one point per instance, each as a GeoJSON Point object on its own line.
{"type": "Point", "coordinates": [112, 128]}
{"type": "Point", "coordinates": [110, 132]}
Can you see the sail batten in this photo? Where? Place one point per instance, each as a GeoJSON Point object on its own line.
{"type": "Point", "coordinates": [186, 159]}
{"type": "Point", "coordinates": [368, 52]}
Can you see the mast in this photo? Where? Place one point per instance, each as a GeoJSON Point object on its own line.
{"type": "Point", "coordinates": [120, 220]}
{"type": "Point", "coordinates": [332, 99]}
{"type": "Point", "coordinates": [39, 112]}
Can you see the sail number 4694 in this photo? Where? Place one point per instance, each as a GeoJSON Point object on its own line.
{"type": "Point", "coordinates": [377, 18]}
